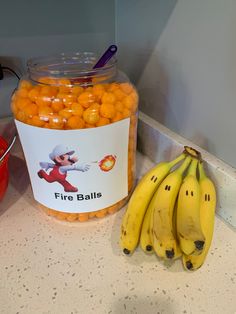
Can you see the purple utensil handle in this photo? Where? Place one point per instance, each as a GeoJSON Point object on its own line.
{"type": "Point", "coordinates": [106, 56]}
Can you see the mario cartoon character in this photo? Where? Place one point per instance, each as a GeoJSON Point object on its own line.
{"type": "Point", "coordinates": [63, 162]}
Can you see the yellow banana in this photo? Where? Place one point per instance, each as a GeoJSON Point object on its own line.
{"type": "Point", "coordinates": [138, 203]}
{"type": "Point", "coordinates": [178, 252]}
{"type": "Point", "coordinates": [163, 203]}
{"type": "Point", "coordinates": [207, 218]}
{"type": "Point", "coordinates": [189, 230]}
{"type": "Point", "coordinates": [145, 236]}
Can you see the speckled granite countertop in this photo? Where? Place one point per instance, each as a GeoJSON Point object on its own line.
{"type": "Point", "coordinates": [47, 266]}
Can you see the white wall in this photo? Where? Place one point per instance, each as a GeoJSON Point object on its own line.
{"type": "Point", "coordinates": [35, 28]}
{"type": "Point", "coordinates": [189, 82]}
{"type": "Point", "coordinates": [139, 24]}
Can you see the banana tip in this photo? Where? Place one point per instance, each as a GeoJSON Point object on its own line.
{"type": "Point", "coordinates": [148, 248]}
{"type": "Point", "coordinates": [170, 253]}
{"type": "Point", "coordinates": [126, 251]}
{"type": "Point", "coordinates": [199, 245]}
{"type": "Point", "coordinates": [189, 265]}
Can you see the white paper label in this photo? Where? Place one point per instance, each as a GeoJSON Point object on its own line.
{"type": "Point", "coordinates": [77, 171]}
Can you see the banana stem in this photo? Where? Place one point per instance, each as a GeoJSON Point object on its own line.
{"type": "Point", "coordinates": [202, 173]}
{"type": "Point", "coordinates": [178, 159]}
{"type": "Point", "coordinates": [184, 165]}
{"type": "Point", "coordinates": [193, 167]}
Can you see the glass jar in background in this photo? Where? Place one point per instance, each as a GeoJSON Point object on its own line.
{"type": "Point", "coordinates": [77, 126]}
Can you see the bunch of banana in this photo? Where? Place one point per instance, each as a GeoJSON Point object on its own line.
{"type": "Point", "coordinates": [172, 213]}
{"type": "Point", "coordinates": [139, 201]}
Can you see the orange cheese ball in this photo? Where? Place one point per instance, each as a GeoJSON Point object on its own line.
{"type": "Point", "coordinates": [75, 122]}
{"type": "Point", "coordinates": [56, 122]}
{"type": "Point", "coordinates": [88, 125]}
{"type": "Point", "coordinates": [65, 113]}
{"type": "Point", "coordinates": [98, 91]}
{"type": "Point", "coordinates": [129, 102]}
{"type": "Point", "coordinates": [69, 99]}
{"type": "Point", "coordinates": [119, 94]}
{"type": "Point", "coordinates": [64, 89]}
{"type": "Point", "coordinates": [91, 214]}
{"type": "Point", "coordinates": [83, 217]}
{"type": "Point", "coordinates": [77, 90]}
{"type": "Point", "coordinates": [43, 100]}
{"type": "Point", "coordinates": [24, 84]}
{"type": "Point", "coordinates": [23, 92]}
{"type": "Point", "coordinates": [89, 89]}
{"type": "Point", "coordinates": [29, 121]}
{"type": "Point", "coordinates": [107, 110]}
{"type": "Point", "coordinates": [31, 110]}
{"type": "Point", "coordinates": [86, 99]}
{"type": "Point", "coordinates": [112, 209]}
{"type": "Point", "coordinates": [117, 117]}
{"type": "Point", "coordinates": [21, 116]}
{"type": "Point", "coordinates": [50, 212]}
{"type": "Point", "coordinates": [44, 110]}
{"type": "Point", "coordinates": [57, 105]}
{"type": "Point", "coordinates": [72, 217]}
{"type": "Point", "coordinates": [64, 86]}
{"type": "Point", "coordinates": [47, 80]}
{"type": "Point", "coordinates": [34, 93]}
{"type": "Point", "coordinates": [101, 213]}
{"type": "Point", "coordinates": [103, 121]}
{"type": "Point", "coordinates": [77, 109]}
{"type": "Point", "coordinates": [64, 82]}
{"type": "Point", "coordinates": [21, 103]}
{"type": "Point", "coordinates": [108, 98]}
{"type": "Point", "coordinates": [126, 88]}
{"type": "Point", "coordinates": [44, 113]}
{"type": "Point", "coordinates": [113, 87]}
{"type": "Point", "coordinates": [37, 121]}
{"type": "Point", "coordinates": [61, 216]}
{"type": "Point", "coordinates": [60, 96]}
{"type": "Point", "coordinates": [46, 125]}
{"type": "Point", "coordinates": [48, 91]}
{"type": "Point", "coordinates": [91, 114]}
{"type": "Point", "coordinates": [126, 113]}
{"type": "Point", "coordinates": [119, 106]}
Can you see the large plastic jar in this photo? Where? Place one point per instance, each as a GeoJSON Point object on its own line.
{"type": "Point", "coordinates": [77, 127]}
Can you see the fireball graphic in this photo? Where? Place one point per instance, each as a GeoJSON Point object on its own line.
{"type": "Point", "coordinates": [107, 163]}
